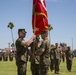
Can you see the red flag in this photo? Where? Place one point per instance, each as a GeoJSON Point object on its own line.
{"type": "Point", "coordinates": [39, 16]}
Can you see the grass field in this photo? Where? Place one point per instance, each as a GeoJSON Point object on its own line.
{"type": "Point", "coordinates": [9, 68]}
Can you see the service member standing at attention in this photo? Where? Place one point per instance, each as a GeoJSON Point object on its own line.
{"type": "Point", "coordinates": [0, 55]}
{"type": "Point", "coordinates": [52, 58]}
{"type": "Point", "coordinates": [21, 51]}
{"type": "Point", "coordinates": [44, 53]}
{"type": "Point", "coordinates": [57, 55]}
{"type": "Point", "coordinates": [69, 58]}
{"type": "Point", "coordinates": [11, 55]}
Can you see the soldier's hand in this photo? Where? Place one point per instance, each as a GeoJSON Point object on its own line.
{"type": "Point", "coordinates": [39, 44]}
{"type": "Point", "coordinates": [34, 37]}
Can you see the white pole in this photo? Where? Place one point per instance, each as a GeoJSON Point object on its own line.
{"type": "Point", "coordinates": [72, 43]}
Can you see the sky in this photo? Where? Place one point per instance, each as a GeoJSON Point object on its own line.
{"type": "Point", "coordinates": [61, 15]}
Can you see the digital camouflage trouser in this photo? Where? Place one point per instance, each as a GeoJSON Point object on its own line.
{"type": "Point", "coordinates": [21, 68]}
{"type": "Point", "coordinates": [43, 70]}
{"type": "Point", "coordinates": [35, 69]}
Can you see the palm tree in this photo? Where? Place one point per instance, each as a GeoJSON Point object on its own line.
{"type": "Point", "coordinates": [11, 25]}
{"type": "Point", "coordinates": [50, 28]}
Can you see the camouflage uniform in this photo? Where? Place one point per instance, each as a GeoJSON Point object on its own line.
{"type": "Point", "coordinates": [21, 51]}
{"type": "Point", "coordinates": [21, 54]}
{"type": "Point", "coordinates": [52, 59]}
{"type": "Point", "coordinates": [57, 55]}
{"type": "Point", "coordinates": [69, 59]}
{"type": "Point", "coordinates": [34, 61]}
{"type": "Point", "coordinates": [45, 57]}
{"type": "Point", "coordinates": [0, 56]}
{"type": "Point", "coordinates": [5, 56]}
{"type": "Point", "coordinates": [11, 55]}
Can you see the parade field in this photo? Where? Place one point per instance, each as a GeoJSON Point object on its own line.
{"type": "Point", "coordinates": [9, 68]}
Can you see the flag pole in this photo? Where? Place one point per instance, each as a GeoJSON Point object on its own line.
{"type": "Point", "coordinates": [34, 33]}
{"type": "Point", "coordinates": [72, 43]}
{"type": "Point", "coordinates": [34, 22]}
